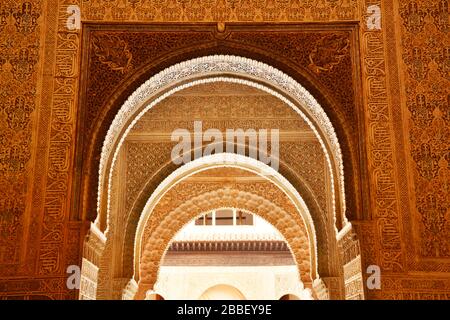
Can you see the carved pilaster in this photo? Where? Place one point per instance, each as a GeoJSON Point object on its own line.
{"type": "Point", "coordinates": [94, 245]}
{"type": "Point", "coordinates": [353, 280]}
{"type": "Point", "coordinates": [88, 281]}
{"type": "Point", "coordinates": [92, 251]}
{"type": "Point", "coordinates": [130, 290]}
{"type": "Point", "coordinates": [351, 260]}
{"type": "Point", "coordinates": [321, 290]}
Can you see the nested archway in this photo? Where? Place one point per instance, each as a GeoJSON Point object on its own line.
{"type": "Point", "coordinates": [181, 198]}
{"type": "Point", "coordinates": [269, 182]}
{"type": "Point", "coordinates": [219, 69]}
{"type": "Point", "coordinates": [226, 69]}
{"type": "Point", "coordinates": [253, 257]}
{"type": "Point", "coordinates": [300, 175]}
{"type": "Point", "coordinates": [161, 233]}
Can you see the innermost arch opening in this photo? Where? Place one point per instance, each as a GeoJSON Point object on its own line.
{"type": "Point", "coordinates": [233, 248]}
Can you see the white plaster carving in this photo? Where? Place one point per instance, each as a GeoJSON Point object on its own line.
{"type": "Point", "coordinates": [213, 66]}
{"type": "Point", "coordinates": [130, 290]}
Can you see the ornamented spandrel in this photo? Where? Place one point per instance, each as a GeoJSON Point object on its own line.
{"type": "Point", "coordinates": [441, 14]}
{"type": "Point", "coordinates": [433, 208]}
{"type": "Point", "coordinates": [19, 43]}
{"type": "Point", "coordinates": [329, 52]}
{"type": "Point", "coordinates": [421, 110]}
{"type": "Point", "coordinates": [427, 161]}
{"type": "Point", "coordinates": [4, 14]}
{"type": "Point", "coordinates": [418, 63]}
{"type": "Point", "coordinates": [442, 60]}
{"type": "Point", "coordinates": [114, 52]}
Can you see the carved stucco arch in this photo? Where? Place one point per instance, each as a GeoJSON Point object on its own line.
{"type": "Point", "coordinates": [303, 264]}
{"type": "Point", "coordinates": [235, 161]}
{"type": "Point", "coordinates": [287, 223]}
{"type": "Point", "coordinates": [323, 232]}
{"type": "Point", "coordinates": [208, 69]}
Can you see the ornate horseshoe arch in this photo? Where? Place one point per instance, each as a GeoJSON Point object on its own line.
{"type": "Point", "coordinates": [238, 70]}
{"type": "Point", "coordinates": [305, 261]}
{"type": "Point", "coordinates": [150, 262]}
{"type": "Point", "coordinates": [228, 160]}
{"type": "Point", "coordinates": [212, 69]}
{"type": "Point", "coordinates": [321, 229]}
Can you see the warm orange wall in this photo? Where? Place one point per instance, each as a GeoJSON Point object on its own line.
{"type": "Point", "coordinates": [406, 87]}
